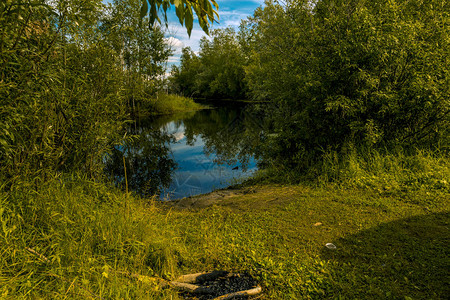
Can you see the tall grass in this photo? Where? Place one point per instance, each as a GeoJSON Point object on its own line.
{"type": "Point", "coordinates": [394, 171]}
{"type": "Point", "coordinates": [78, 239]}
{"type": "Point", "coordinates": [165, 104]}
{"type": "Point", "coordinates": [72, 238]}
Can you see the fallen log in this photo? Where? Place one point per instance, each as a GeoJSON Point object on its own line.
{"type": "Point", "coordinates": [192, 284]}
{"type": "Point", "coordinates": [190, 288]}
{"type": "Point", "coordinates": [240, 294]}
{"type": "Point", "coordinates": [201, 277]}
{"type": "Point", "coordinates": [214, 282]}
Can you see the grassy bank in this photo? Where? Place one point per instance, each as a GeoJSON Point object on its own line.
{"type": "Point", "coordinates": [165, 104]}
{"type": "Point", "coordinates": [392, 171]}
{"type": "Point", "coordinates": [75, 238]}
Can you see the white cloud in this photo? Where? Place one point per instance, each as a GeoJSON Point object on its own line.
{"type": "Point", "coordinates": [179, 33]}
{"type": "Point", "coordinates": [174, 42]}
{"type": "Point", "coordinates": [231, 18]}
{"type": "Point", "coordinates": [233, 23]}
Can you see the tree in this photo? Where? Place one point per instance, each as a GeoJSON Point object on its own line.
{"type": "Point", "coordinates": [58, 108]}
{"type": "Point", "coordinates": [223, 61]}
{"type": "Point", "coordinates": [217, 72]}
{"type": "Point", "coordinates": [142, 50]}
{"type": "Point", "coordinates": [371, 73]}
{"type": "Point", "coordinates": [61, 82]}
{"type": "Point", "coordinates": [183, 79]}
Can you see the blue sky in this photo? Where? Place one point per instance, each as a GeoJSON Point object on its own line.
{"type": "Point", "coordinates": [231, 12]}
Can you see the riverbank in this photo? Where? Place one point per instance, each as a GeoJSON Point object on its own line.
{"type": "Point", "coordinates": [84, 239]}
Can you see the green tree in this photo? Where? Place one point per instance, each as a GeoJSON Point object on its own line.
{"type": "Point", "coordinates": [217, 71]}
{"type": "Point", "coordinates": [54, 113]}
{"type": "Point", "coordinates": [183, 79]}
{"type": "Point", "coordinates": [142, 50]}
{"type": "Point", "coordinates": [223, 73]}
{"type": "Point", "coordinates": [372, 73]}
{"type": "Point", "coordinates": [64, 70]}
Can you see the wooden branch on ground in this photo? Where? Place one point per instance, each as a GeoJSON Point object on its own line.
{"type": "Point", "coordinates": [185, 283]}
{"type": "Point", "coordinates": [190, 288]}
{"type": "Point", "coordinates": [240, 294]}
{"type": "Point", "coordinates": [201, 277]}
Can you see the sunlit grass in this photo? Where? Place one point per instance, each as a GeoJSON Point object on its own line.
{"type": "Point", "coordinates": [87, 237]}
{"type": "Point", "coordinates": [394, 171]}
{"type": "Point", "coordinates": [165, 104]}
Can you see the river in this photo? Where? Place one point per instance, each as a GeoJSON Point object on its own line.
{"type": "Point", "coordinates": [187, 154]}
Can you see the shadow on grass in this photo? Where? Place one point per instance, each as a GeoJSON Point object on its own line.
{"type": "Point", "coordinates": [403, 259]}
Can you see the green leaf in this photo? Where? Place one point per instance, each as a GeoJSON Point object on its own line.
{"type": "Point", "coordinates": [154, 14]}
{"type": "Point", "coordinates": [215, 4]}
{"type": "Point", "coordinates": [180, 14]}
{"type": "Point", "coordinates": [144, 9]}
{"type": "Point", "coordinates": [189, 20]}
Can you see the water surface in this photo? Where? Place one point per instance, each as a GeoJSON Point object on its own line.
{"type": "Point", "coordinates": [187, 154]}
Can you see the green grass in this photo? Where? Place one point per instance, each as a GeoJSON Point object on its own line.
{"type": "Point", "coordinates": [81, 230]}
{"type": "Point", "coordinates": [87, 236]}
{"type": "Point", "coordinates": [168, 104]}
{"type": "Point", "coordinates": [387, 247]}
{"type": "Point", "coordinates": [393, 172]}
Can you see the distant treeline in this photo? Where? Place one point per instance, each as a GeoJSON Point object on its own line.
{"type": "Point", "coordinates": [338, 74]}
{"type": "Point", "coordinates": [217, 72]}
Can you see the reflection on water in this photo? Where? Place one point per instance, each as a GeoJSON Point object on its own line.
{"type": "Point", "coordinates": [148, 161]}
{"type": "Point", "coordinates": [187, 154]}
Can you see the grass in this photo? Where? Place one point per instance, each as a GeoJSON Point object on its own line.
{"type": "Point", "coordinates": [73, 238]}
{"type": "Point", "coordinates": [168, 104]}
{"type": "Point", "coordinates": [391, 172]}
{"type": "Point", "coordinates": [78, 232]}
{"type": "Point", "coordinates": [88, 236]}
{"type": "Point", "coordinates": [394, 172]}
{"type": "Point", "coordinates": [387, 247]}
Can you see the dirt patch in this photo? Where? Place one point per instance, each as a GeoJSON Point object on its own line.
{"type": "Point", "coordinates": [254, 197]}
{"type": "Point", "coordinates": [213, 198]}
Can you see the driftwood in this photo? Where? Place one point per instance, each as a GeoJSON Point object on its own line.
{"type": "Point", "coordinates": [251, 292]}
{"type": "Point", "coordinates": [191, 283]}
{"type": "Point", "coordinates": [201, 277]}
{"type": "Point", "coordinates": [185, 283]}
{"type": "Point", "coordinates": [190, 288]}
